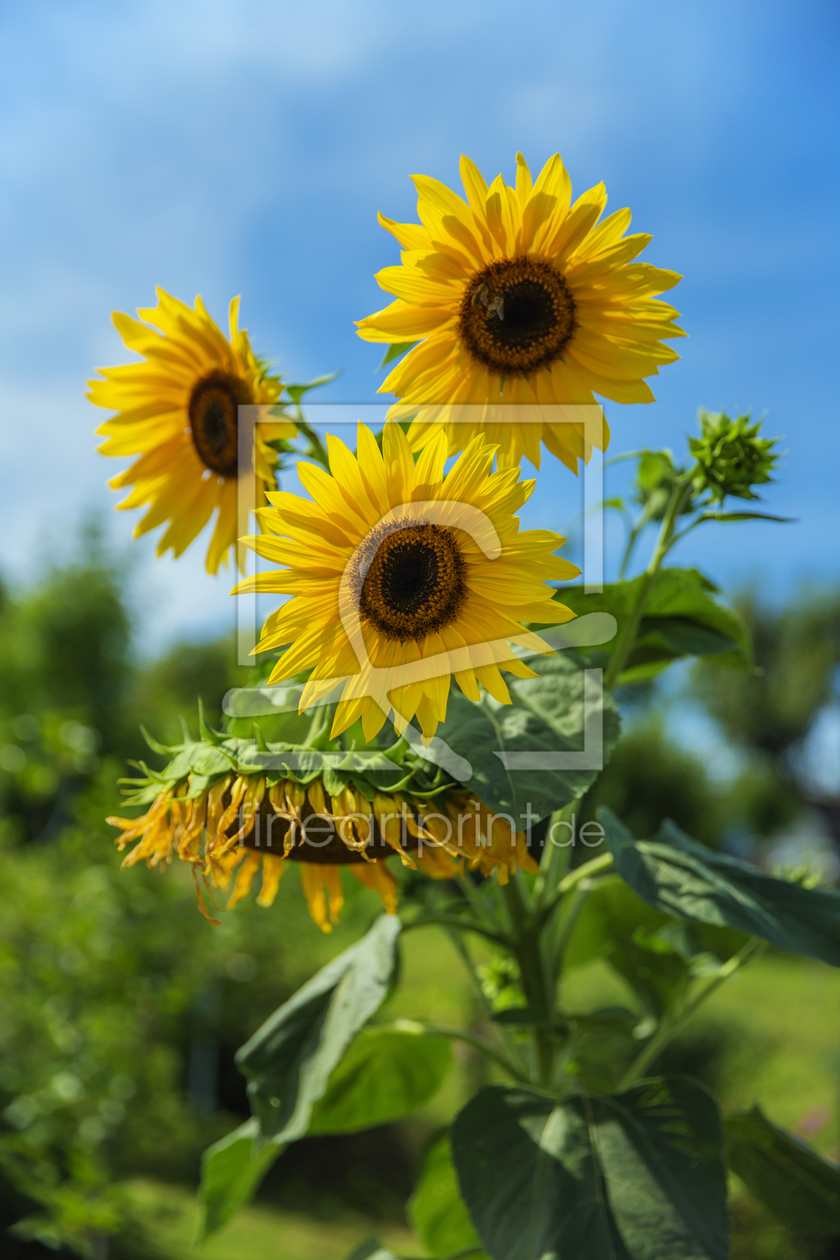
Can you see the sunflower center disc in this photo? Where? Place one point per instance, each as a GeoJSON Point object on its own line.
{"type": "Point", "coordinates": [214, 420]}
{"type": "Point", "coordinates": [517, 316]}
{"type": "Point", "coordinates": [415, 583]}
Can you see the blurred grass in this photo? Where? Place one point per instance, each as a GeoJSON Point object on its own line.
{"type": "Point", "coordinates": [780, 1024]}
{"type": "Point", "coordinates": [171, 1216]}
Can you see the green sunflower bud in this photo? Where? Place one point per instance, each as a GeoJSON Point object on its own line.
{"type": "Point", "coordinates": [731, 457]}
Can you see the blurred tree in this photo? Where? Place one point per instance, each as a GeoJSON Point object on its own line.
{"type": "Point", "coordinates": [770, 712]}
{"type": "Point", "coordinates": [649, 779]}
{"type": "Point", "coordinates": [169, 687]}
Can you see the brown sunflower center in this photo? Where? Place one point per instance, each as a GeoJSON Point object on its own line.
{"type": "Point", "coordinates": [517, 316]}
{"type": "Point", "coordinates": [214, 420]}
{"type": "Point", "coordinates": [410, 580]}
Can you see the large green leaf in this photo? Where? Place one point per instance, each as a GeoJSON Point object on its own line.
{"type": "Point", "coordinates": [547, 717]}
{"type": "Point", "coordinates": [633, 1176]}
{"type": "Point", "coordinates": [437, 1213]}
{"type": "Point", "coordinates": [682, 618]}
{"type": "Point", "coordinates": [684, 879]}
{"type": "Point", "coordinates": [231, 1170]}
{"type": "Point", "coordinates": [289, 1060]}
{"type": "Point", "coordinates": [791, 1179]}
{"type": "Point", "coordinates": [385, 1073]}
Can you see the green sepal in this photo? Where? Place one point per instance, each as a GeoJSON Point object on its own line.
{"type": "Point", "coordinates": [395, 351]}
{"type": "Point", "coordinates": [296, 392]}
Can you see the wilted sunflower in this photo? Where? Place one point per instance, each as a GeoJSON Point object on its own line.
{"type": "Point", "coordinates": [178, 410]}
{"type": "Point", "coordinates": [402, 577]}
{"type": "Point", "coordinates": [242, 822]}
{"type": "Point", "coordinates": [519, 297]}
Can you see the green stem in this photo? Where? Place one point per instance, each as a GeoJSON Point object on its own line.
{"type": "Point", "coordinates": [628, 551]}
{"type": "Point", "coordinates": [456, 922]}
{"type": "Point", "coordinates": [670, 1026]}
{"type": "Point", "coordinates": [459, 944]}
{"type": "Point", "coordinates": [479, 904]}
{"type": "Point", "coordinates": [469, 1039]}
{"type": "Point", "coordinates": [593, 867]}
{"type": "Point", "coordinates": [627, 638]}
{"type": "Point", "coordinates": [554, 856]}
{"type": "Point", "coordinates": [567, 926]}
{"type": "Point", "coordinates": [537, 985]}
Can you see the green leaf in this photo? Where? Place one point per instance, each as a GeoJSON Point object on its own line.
{"type": "Point", "coordinates": [395, 350]}
{"type": "Point", "coordinates": [289, 1060]}
{"type": "Point", "coordinates": [546, 717]}
{"type": "Point", "coordinates": [682, 618]}
{"type": "Point", "coordinates": [633, 1176]}
{"type": "Point", "coordinates": [436, 1211]}
{"type": "Point", "coordinates": [791, 1179]}
{"type": "Point", "coordinates": [231, 1170]}
{"type": "Point", "coordinates": [386, 1073]}
{"type": "Point", "coordinates": [684, 879]}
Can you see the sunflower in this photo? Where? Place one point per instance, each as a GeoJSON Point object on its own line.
{"type": "Point", "coordinates": [244, 823]}
{"type": "Point", "coordinates": [178, 410]}
{"type": "Point", "coordinates": [402, 577]}
{"type": "Point", "coordinates": [519, 297]}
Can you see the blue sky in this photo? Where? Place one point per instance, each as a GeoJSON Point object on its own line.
{"type": "Point", "coordinates": [244, 146]}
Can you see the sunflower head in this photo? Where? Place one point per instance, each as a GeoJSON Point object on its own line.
{"type": "Point", "coordinates": [231, 821]}
{"type": "Point", "coordinates": [178, 410]}
{"type": "Point", "coordinates": [513, 297]}
{"type": "Point", "coordinates": [403, 576]}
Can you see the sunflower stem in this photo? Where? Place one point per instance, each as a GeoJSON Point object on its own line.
{"type": "Point", "coordinates": [629, 631]}
{"type": "Point", "coordinates": [460, 947]}
{"type": "Point", "coordinates": [537, 984]}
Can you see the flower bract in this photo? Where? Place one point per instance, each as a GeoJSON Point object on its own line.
{"type": "Point", "coordinates": [178, 410]}
{"type": "Point", "coordinates": [403, 576]}
{"type": "Point", "coordinates": [517, 296]}
{"type": "Point", "coordinates": [232, 822]}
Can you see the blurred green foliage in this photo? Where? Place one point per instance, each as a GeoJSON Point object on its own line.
{"type": "Point", "coordinates": [769, 712]}
{"type": "Point", "coordinates": [122, 1007]}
